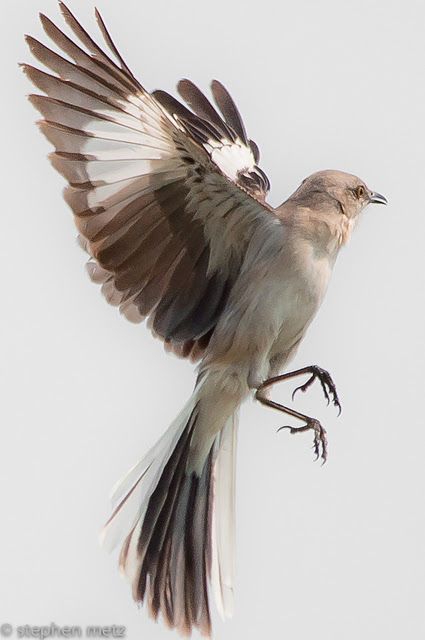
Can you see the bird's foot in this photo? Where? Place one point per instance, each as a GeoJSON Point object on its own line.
{"type": "Point", "coordinates": [328, 385]}
{"type": "Point", "coordinates": [320, 442]}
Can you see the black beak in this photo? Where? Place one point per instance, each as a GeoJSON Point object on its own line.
{"type": "Point", "coordinates": [376, 198]}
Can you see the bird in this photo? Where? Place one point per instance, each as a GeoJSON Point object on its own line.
{"type": "Point", "coordinates": [171, 207]}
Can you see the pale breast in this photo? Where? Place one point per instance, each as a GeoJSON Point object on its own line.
{"type": "Point", "coordinates": [270, 307]}
{"type": "Point", "coordinates": [305, 278]}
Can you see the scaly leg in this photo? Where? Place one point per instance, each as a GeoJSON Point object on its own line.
{"type": "Point", "coordinates": [328, 386]}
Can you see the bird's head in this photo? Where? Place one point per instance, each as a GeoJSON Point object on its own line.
{"type": "Point", "coordinates": [349, 192]}
{"type": "Point", "coordinates": [332, 200]}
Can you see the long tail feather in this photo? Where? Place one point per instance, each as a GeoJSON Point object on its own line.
{"type": "Point", "coordinates": [176, 517]}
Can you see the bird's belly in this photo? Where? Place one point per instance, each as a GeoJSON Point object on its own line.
{"type": "Point", "coordinates": [268, 317]}
{"type": "Point", "coordinates": [299, 300]}
{"type": "Point", "coordinates": [296, 315]}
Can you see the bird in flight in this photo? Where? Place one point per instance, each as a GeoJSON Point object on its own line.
{"type": "Point", "coordinates": [171, 206]}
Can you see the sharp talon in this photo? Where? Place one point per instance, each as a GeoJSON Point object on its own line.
{"type": "Point", "coordinates": [304, 387]}
{"type": "Point", "coordinates": [327, 384]}
{"type": "Point", "coordinates": [327, 396]}
{"type": "Point", "coordinates": [286, 426]}
{"type": "Point", "coordinates": [300, 388]}
{"type": "Point", "coordinates": [320, 443]}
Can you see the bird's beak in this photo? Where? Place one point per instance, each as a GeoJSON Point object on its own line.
{"type": "Point", "coordinates": [377, 198]}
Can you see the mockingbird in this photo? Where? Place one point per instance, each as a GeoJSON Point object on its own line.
{"type": "Point", "coordinates": [170, 204]}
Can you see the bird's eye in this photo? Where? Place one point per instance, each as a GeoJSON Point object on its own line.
{"type": "Point", "coordinates": [360, 191]}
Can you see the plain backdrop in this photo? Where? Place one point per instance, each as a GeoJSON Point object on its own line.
{"type": "Point", "coordinates": [330, 553]}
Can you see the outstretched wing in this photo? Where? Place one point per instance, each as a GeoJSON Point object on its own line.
{"type": "Point", "coordinates": [165, 200]}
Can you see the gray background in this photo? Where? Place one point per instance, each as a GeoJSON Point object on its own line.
{"type": "Point", "coordinates": [328, 553]}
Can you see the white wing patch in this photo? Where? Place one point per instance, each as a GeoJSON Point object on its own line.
{"type": "Point", "coordinates": [231, 158]}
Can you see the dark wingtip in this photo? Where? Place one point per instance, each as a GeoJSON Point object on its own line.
{"type": "Point", "coordinates": [46, 22]}
{"type": "Point", "coordinates": [229, 110]}
{"type": "Point", "coordinates": [216, 83]}
{"type": "Point", "coordinates": [65, 11]}
{"type": "Point", "coordinates": [31, 42]}
{"type": "Point", "coordinates": [184, 84]}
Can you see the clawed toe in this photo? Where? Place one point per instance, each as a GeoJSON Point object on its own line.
{"type": "Point", "coordinates": [286, 426]}
{"type": "Point", "coordinates": [327, 384]}
{"type": "Point", "coordinates": [329, 388]}
{"type": "Point", "coordinates": [304, 387]}
{"type": "Point", "coordinates": [320, 442]}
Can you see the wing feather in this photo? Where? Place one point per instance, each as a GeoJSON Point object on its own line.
{"type": "Point", "coordinates": [229, 109]}
{"type": "Point", "coordinates": [159, 192]}
{"type": "Point", "coordinates": [203, 108]}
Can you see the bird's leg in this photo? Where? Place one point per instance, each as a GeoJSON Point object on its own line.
{"type": "Point", "coordinates": [320, 443]}
{"type": "Point", "coordinates": [316, 372]}
{"type": "Point", "coordinates": [329, 390]}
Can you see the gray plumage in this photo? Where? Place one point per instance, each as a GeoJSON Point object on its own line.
{"type": "Point", "coordinates": [170, 204]}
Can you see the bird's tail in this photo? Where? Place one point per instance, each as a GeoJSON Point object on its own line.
{"type": "Point", "coordinates": [175, 512]}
